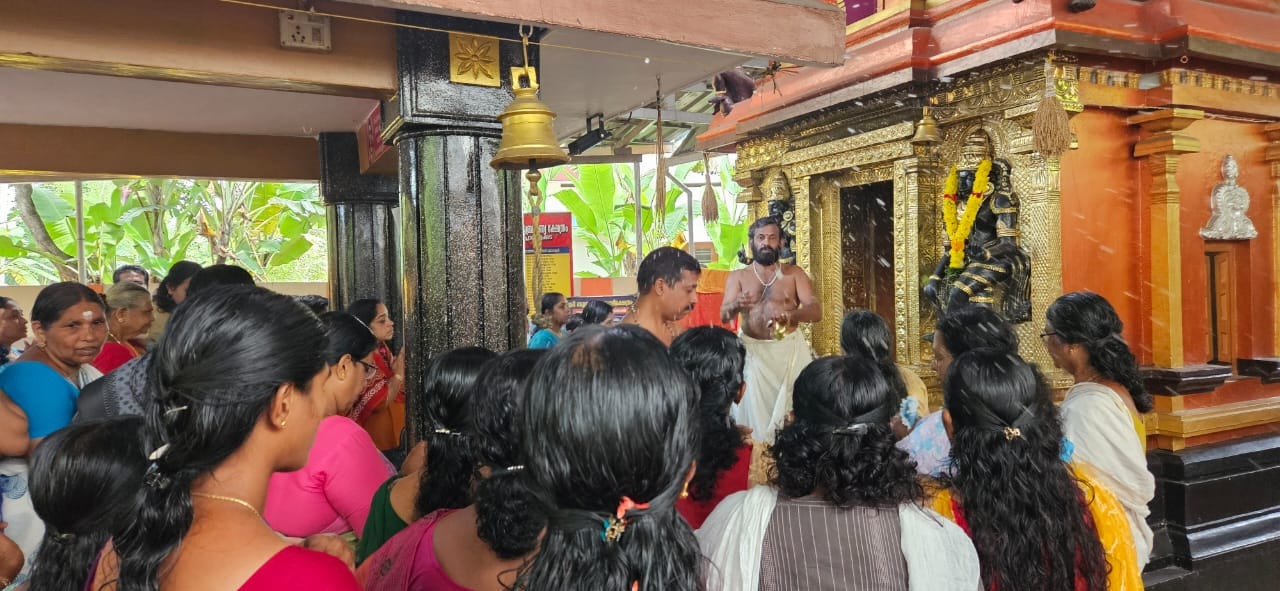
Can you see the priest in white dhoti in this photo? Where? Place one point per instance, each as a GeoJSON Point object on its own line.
{"type": "Point", "coordinates": [770, 299]}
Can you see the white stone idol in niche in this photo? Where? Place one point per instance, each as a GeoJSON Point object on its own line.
{"type": "Point", "coordinates": [1230, 204]}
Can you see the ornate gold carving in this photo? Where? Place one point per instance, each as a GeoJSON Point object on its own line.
{"type": "Point", "coordinates": [1112, 78]}
{"type": "Point", "coordinates": [855, 159]}
{"type": "Point", "coordinates": [862, 140]}
{"type": "Point", "coordinates": [997, 88]}
{"type": "Point", "coordinates": [804, 233]}
{"type": "Point", "coordinates": [907, 199]}
{"type": "Point", "coordinates": [828, 264]}
{"type": "Point", "coordinates": [473, 59]}
{"type": "Point", "coordinates": [760, 152]}
{"type": "Point", "coordinates": [1181, 77]}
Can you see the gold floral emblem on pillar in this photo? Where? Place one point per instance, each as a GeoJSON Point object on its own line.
{"type": "Point", "coordinates": [473, 59]}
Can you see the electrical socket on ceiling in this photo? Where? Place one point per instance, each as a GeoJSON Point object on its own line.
{"type": "Point", "coordinates": [301, 30]}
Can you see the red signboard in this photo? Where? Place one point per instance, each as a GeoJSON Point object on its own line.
{"type": "Point", "coordinates": [557, 253]}
{"type": "Point", "coordinates": [557, 232]}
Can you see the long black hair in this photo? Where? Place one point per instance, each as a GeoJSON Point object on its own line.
{"type": "Point", "coordinates": [610, 417]}
{"type": "Point", "coordinates": [596, 312]}
{"type": "Point", "coordinates": [507, 519]}
{"type": "Point", "coordinates": [216, 371]}
{"type": "Point", "coordinates": [972, 327]}
{"type": "Point", "coordinates": [365, 309]}
{"type": "Point", "coordinates": [714, 358]}
{"type": "Point", "coordinates": [346, 336]}
{"type": "Point", "coordinates": [444, 421]}
{"type": "Point", "coordinates": [1026, 511]}
{"type": "Point", "coordinates": [84, 486]}
{"type": "Point", "coordinates": [549, 301]}
{"type": "Point", "coordinates": [1086, 318]}
{"type": "Point", "coordinates": [864, 333]}
{"type": "Point", "coordinates": [179, 272]}
{"type": "Point", "coordinates": [56, 298]}
{"type": "Point", "coordinates": [840, 442]}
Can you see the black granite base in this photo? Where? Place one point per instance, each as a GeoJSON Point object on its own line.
{"type": "Point", "coordinates": [1216, 515]}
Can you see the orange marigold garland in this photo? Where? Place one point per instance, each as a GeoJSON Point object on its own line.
{"type": "Point", "coordinates": [959, 228]}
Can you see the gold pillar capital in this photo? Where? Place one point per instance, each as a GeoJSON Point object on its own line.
{"type": "Point", "coordinates": [1166, 120]}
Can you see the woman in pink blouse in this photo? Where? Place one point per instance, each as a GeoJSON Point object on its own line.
{"type": "Point", "coordinates": [332, 493]}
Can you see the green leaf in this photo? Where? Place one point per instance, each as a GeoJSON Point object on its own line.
{"type": "Point", "coordinates": [290, 251]}
{"type": "Point", "coordinates": [583, 216]}
{"type": "Point", "coordinates": [50, 205]}
{"type": "Point", "coordinates": [596, 186]}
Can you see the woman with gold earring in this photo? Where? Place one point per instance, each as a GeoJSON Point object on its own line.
{"type": "Point", "coordinates": [129, 316]}
{"type": "Point", "coordinates": [332, 493]}
{"type": "Point", "coordinates": [69, 324]}
{"type": "Point", "coordinates": [238, 389]}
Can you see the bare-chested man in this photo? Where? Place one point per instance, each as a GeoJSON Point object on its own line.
{"type": "Point", "coordinates": [667, 284]}
{"type": "Point", "coordinates": [770, 299]}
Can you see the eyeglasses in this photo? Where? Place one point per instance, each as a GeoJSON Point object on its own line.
{"type": "Point", "coordinates": [369, 368]}
{"type": "Point", "coordinates": [1045, 335]}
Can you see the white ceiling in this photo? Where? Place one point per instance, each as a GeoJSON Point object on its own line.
{"type": "Point", "coordinates": [575, 83]}
{"type": "Point", "coordinates": [36, 97]}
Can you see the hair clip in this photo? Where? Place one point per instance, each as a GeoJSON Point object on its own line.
{"type": "Point", "coordinates": [155, 479]}
{"type": "Point", "coordinates": [616, 525]}
{"type": "Point", "coordinates": [1011, 433]}
{"type": "Point", "coordinates": [172, 413]}
{"type": "Point", "coordinates": [515, 468]}
{"type": "Point", "coordinates": [159, 452]}
{"type": "Point", "coordinates": [444, 431]}
{"type": "Point", "coordinates": [854, 429]}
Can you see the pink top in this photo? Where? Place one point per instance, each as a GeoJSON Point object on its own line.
{"type": "Point", "coordinates": [408, 560]}
{"type": "Point", "coordinates": [427, 571]}
{"type": "Point", "coordinates": [298, 568]}
{"type": "Point", "coordinates": [332, 493]}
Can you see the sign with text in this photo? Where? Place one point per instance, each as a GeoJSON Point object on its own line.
{"type": "Point", "coordinates": [557, 255]}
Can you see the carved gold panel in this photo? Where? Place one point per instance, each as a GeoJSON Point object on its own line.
{"type": "Point", "coordinates": [1000, 99]}
{"type": "Point", "coordinates": [473, 59]}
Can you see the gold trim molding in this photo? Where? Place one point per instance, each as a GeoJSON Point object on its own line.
{"type": "Point", "coordinates": [1173, 429]}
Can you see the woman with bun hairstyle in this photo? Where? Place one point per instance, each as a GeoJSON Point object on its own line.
{"type": "Point", "coordinates": [1102, 412]}
{"type": "Point", "coordinates": [479, 547]}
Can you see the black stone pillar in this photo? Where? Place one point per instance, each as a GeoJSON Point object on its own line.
{"type": "Point", "coordinates": [363, 237]}
{"type": "Point", "coordinates": [460, 218]}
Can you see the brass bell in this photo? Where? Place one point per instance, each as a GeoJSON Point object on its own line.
{"type": "Point", "coordinates": [528, 140]}
{"type": "Point", "coordinates": [927, 130]}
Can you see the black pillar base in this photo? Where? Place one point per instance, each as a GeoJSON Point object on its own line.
{"type": "Point", "coordinates": [1217, 516]}
{"type": "Point", "coordinates": [362, 225]}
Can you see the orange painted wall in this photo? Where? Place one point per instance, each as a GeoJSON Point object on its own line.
{"type": "Point", "coordinates": [1102, 209]}
{"type": "Point", "coordinates": [1197, 175]}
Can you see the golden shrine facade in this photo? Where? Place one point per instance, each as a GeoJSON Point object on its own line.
{"type": "Point", "coordinates": [1159, 94]}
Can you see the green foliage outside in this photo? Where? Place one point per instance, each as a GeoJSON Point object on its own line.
{"type": "Point", "coordinates": [602, 200]}
{"type": "Point", "coordinates": [271, 229]}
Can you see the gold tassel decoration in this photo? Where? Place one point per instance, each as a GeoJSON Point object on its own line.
{"type": "Point", "coordinates": [1050, 127]}
{"type": "Point", "coordinates": [660, 182]}
{"type": "Point", "coordinates": [710, 205]}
